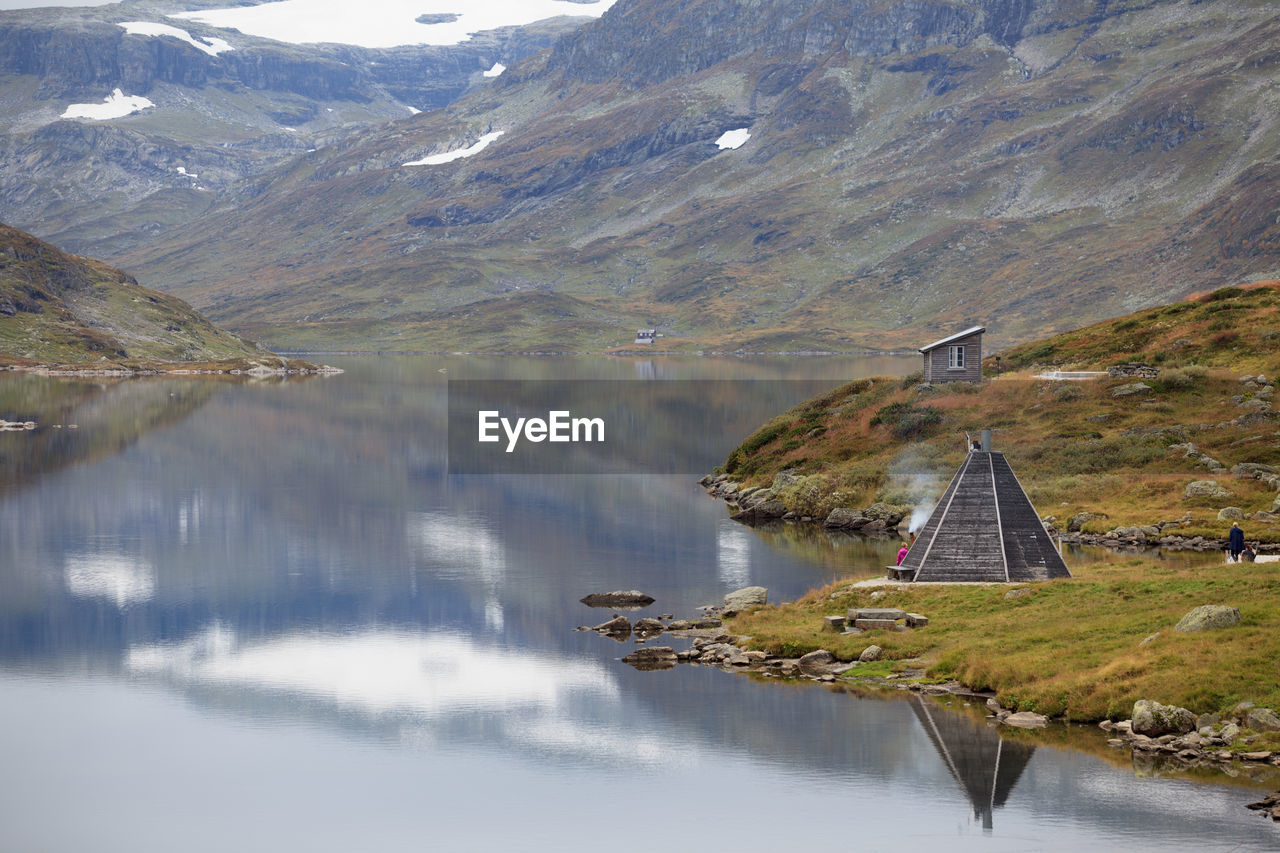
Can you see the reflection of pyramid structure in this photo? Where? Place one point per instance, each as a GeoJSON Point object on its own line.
{"type": "Point", "coordinates": [986, 766]}
{"type": "Point", "coordinates": [983, 529]}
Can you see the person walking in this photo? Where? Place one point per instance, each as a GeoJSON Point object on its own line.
{"type": "Point", "coordinates": [1235, 541]}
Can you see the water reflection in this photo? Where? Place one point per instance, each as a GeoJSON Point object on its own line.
{"type": "Point", "coordinates": [114, 577]}
{"type": "Point", "coordinates": [377, 672]}
{"type": "Point", "coordinates": [295, 558]}
{"type": "Point", "coordinates": [985, 765]}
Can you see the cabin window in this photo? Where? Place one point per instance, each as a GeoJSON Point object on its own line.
{"type": "Point", "coordinates": [955, 358]}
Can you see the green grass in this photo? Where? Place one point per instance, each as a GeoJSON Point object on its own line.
{"type": "Point", "coordinates": [1074, 446]}
{"type": "Point", "coordinates": [1072, 647]}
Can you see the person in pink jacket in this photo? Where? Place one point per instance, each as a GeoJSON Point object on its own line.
{"type": "Point", "coordinates": [902, 553]}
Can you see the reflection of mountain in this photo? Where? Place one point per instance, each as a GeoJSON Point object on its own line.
{"type": "Point", "coordinates": [108, 415]}
{"type": "Point", "coordinates": [985, 764]}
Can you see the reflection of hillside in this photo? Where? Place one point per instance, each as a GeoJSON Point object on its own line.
{"type": "Point", "coordinates": [108, 414]}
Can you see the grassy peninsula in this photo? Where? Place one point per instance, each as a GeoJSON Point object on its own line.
{"type": "Point", "coordinates": [1096, 455]}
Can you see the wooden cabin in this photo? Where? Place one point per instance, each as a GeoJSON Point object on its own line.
{"type": "Point", "coordinates": [954, 359]}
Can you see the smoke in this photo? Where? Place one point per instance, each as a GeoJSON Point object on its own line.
{"type": "Point", "coordinates": [914, 480]}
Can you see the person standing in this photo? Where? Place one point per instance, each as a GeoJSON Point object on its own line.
{"type": "Point", "coordinates": [1235, 541]}
{"type": "Point", "coordinates": [902, 553]}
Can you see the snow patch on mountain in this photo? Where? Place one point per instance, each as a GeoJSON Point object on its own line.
{"type": "Point", "coordinates": [496, 70]}
{"type": "Point", "coordinates": [211, 46]}
{"type": "Point", "coordinates": [732, 139]}
{"type": "Point", "coordinates": [115, 105]}
{"type": "Point", "coordinates": [458, 153]}
{"type": "Point", "coordinates": [387, 23]}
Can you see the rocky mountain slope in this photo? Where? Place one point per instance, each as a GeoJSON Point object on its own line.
{"type": "Point", "coordinates": [56, 307]}
{"type": "Point", "coordinates": [773, 175]}
{"type": "Point", "coordinates": [222, 107]}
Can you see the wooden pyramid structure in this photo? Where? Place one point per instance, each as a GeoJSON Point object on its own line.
{"type": "Point", "coordinates": [983, 529]}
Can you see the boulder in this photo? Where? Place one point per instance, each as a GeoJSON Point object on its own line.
{"type": "Point", "coordinates": [648, 627]}
{"type": "Point", "coordinates": [870, 653]}
{"type": "Point", "coordinates": [1231, 513]}
{"type": "Point", "coordinates": [652, 658]}
{"type": "Point", "coordinates": [816, 662]}
{"type": "Point", "coordinates": [618, 598]}
{"type": "Point", "coordinates": [843, 517]}
{"type": "Point", "coordinates": [1205, 489]}
{"type": "Point", "coordinates": [1131, 390]}
{"type": "Point", "coordinates": [1026, 720]}
{"type": "Point", "coordinates": [766, 510]}
{"type": "Point", "coordinates": [618, 625]}
{"type": "Point", "coordinates": [1153, 719]}
{"type": "Point", "coordinates": [789, 477]}
{"type": "Point", "coordinates": [1077, 522]}
{"type": "Point", "coordinates": [1262, 720]}
{"type": "Point", "coordinates": [741, 599]}
{"type": "Point", "coordinates": [890, 514]}
{"type": "Point", "coordinates": [1207, 617]}
{"type": "Point", "coordinates": [1252, 470]}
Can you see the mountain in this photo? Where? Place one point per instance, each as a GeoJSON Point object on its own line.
{"type": "Point", "coordinates": [772, 175]}
{"type": "Point", "coordinates": [56, 307]}
{"type": "Point", "coordinates": [126, 119]}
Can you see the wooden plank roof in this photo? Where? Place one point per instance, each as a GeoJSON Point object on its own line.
{"type": "Point", "coordinates": [984, 529]}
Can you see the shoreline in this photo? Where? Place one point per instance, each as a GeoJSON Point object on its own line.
{"type": "Point", "coordinates": [251, 367]}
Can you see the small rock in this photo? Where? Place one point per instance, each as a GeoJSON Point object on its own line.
{"type": "Point", "coordinates": [1020, 592]}
{"type": "Point", "coordinates": [1262, 755]}
{"type": "Point", "coordinates": [1151, 638]}
{"type": "Point", "coordinates": [870, 653]}
{"type": "Point", "coordinates": [648, 627]}
{"type": "Point", "coordinates": [1026, 720]}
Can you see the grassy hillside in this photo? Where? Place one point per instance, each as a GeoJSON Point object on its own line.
{"type": "Point", "coordinates": [1080, 647]}
{"type": "Point", "coordinates": [56, 307]}
{"type": "Point", "coordinates": [1076, 446]}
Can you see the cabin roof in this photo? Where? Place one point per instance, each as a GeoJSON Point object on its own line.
{"type": "Point", "coordinates": [957, 336]}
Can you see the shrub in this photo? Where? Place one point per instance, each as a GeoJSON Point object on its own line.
{"type": "Point", "coordinates": [1225, 338]}
{"type": "Point", "coordinates": [907, 421]}
{"type": "Point", "coordinates": [1222, 293]}
{"type": "Point", "coordinates": [1067, 392]}
{"type": "Point", "coordinates": [913, 378]}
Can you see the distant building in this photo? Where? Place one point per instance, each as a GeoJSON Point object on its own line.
{"type": "Point", "coordinates": [955, 359]}
{"type": "Point", "coordinates": [646, 336]}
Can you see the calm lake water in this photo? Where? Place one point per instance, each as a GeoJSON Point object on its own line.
{"type": "Point", "coordinates": [264, 616]}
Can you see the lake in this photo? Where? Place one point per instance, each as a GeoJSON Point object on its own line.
{"type": "Point", "coordinates": [272, 616]}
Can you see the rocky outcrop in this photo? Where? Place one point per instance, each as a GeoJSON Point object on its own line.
{"type": "Point", "coordinates": [1153, 719]}
{"type": "Point", "coordinates": [1208, 617]}
{"type": "Point", "coordinates": [618, 598]}
{"type": "Point", "coordinates": [635, 41]}
{"type": "Point", "coordinates": [745, 598]}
